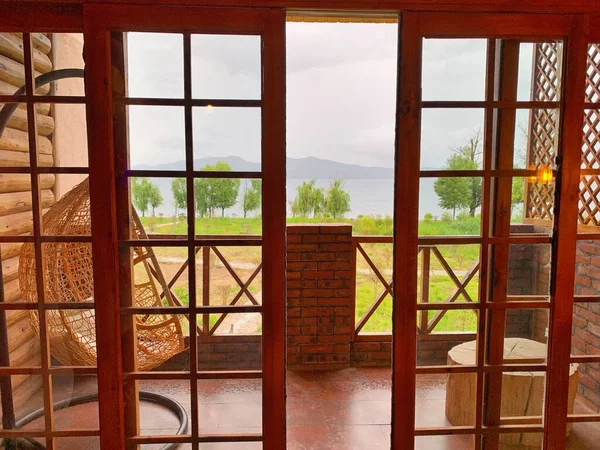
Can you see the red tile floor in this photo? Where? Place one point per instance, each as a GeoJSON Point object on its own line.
{"type": "Point", "coordinates": [341, 410]}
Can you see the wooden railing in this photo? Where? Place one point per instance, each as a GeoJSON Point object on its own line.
{"type": "Point", "coordinates": [425, 325]}
{"type": "Point", "coordinates": [213, 242]}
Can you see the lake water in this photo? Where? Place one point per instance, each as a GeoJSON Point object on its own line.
{"type": "Point", "coordinates": [367, 197]}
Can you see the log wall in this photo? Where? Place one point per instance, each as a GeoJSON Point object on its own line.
{"type": "Point", "coordinates": [15, 202]}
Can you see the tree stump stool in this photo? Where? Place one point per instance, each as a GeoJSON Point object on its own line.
{"type": "Point", "coordinates": [522, 392]}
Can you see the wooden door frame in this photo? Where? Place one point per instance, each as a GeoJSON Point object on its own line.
{"type": "Point", "coordinates": [415, 26]}
{"type": "Point", "coordinates": [99, 21]}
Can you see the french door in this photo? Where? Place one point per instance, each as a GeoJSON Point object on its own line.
{"type": "Point", "coordinates": [495, 99]}
{"type": "Point", "coordinates": [135, 105]}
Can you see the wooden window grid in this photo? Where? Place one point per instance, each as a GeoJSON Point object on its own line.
{"type": "Point", "coordinates": [50, 433]}
{"type": "Point", "coordinates": [404, 167]}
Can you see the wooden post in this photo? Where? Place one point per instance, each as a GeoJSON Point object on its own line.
{"type": "Point", "coordinates": [124, 220]}
{"type": "Point", "coordinates": [565, 239]}
{"type": "Point", "coordinates": [406, 223]}
{"type": "Point", "coordinates": [273, 164]}
{"type": "Point", "coordinates": [104, 234]}
{"type": "Point", "coordinates": [507, 66]}
{"type": "Point", "coordinates": [205, 287]}
{"type": "Point", "coordinates": [425, 269]}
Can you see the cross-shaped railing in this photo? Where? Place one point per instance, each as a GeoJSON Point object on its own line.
{"type": "Point", "coordinates": [425, 324]}
{"type": "Point", "coordinates": [217, 241]}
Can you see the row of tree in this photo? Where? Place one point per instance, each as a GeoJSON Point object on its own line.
{"type": "Point", "coordinates": [214, 194]}
{"type": "Point", "coordinates": [314, 201]}
{"type": "Point", "coordinates": [210, 194]}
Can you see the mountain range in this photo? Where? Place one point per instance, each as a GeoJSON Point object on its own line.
{"type": "Point", "coordinates": [297, 168]}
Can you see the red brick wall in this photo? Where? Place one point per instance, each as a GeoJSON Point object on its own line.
{"type": "Point", "coordinates": [319, 289]}
{"type": "Point", "coordinates": [375, 349]}
{"type": "Point", "coordinates": [221, 352]}
{"type": "Point", "coordinates": [586, 321]}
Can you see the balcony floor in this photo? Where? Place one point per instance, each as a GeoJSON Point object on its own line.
{"type": "Point", "coordinates": [345, 410]}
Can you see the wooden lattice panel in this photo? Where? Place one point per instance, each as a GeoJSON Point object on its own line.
{"type": "Point", "coordinates": [543, 126]}
{"type": "Point", "coordinates": [592, 86]}
{"type": "Point", "coordinates": [589, 207]}
{"type": "Point", "coordinates": [589, 187]}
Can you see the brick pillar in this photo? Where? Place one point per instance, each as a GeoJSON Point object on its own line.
{"type": "Point", "coordinates": [319, 277]}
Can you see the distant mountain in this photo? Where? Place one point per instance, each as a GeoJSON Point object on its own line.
{"type": "Point", "coordinates": [297, 168]}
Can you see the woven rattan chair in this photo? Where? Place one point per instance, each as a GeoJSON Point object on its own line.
{"type": "Point", "coordinates": [68, 278]}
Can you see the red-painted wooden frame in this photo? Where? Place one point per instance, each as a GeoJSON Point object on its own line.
{"type": "Point", "coordinates": [415, 27]}
{"type": "Point", "coordinates": [100, 22]}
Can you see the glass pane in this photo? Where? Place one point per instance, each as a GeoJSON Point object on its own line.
{"type": "Point", "coordinates": [28, 397]}
{"type": "Point", "coordinates": [454, 69]}
{"type": "Point", "coordinates": [160, 419]}
{"type": "Point", "coordinates": [539, 71]}
{"type": "Point", "coordinates": [156, 137]}
{"type": "Point", "coordinates": [230, 136]}
{"type": "Point", "coordinates": [451, 341]}
{"type": "Point", "coordinates": [451, 139]}
{"type": "Point", "coordinates": [226, 67]}
{"type": "Point", "coordinates": [161, 205]}
{"type": "Point", "coordinates": [83, 416]}
{"type": "Point", "coordinates": [370, 288]}
{"type": "Point", "coordinates": [450, 206]}
{"type": "Point", "coordinates": [528, 270]}
{"type": "Point", "coordinates": [526, 334]}
{"type": "Point", "coordinates": [586, 329]}
{"type": "Point", "coordinates": [586, 267]}
{"type": "Point", "coordinates": [12, 75]}
{"type": "Point", "coordinates": [459, 442]}
{"type": "Point", "coordinates": [522, 396]}
{"type": "Point", "coordinates": [448, 273]}
{"type": "Point", "coordinates": [584, 396]}
{"type": "Point", "coordinates": [71, 332]}
{"type": "Point", "coordinates": [56, 51]}
{"type": "Point", "coordinates": [154, 65]}
{"type": "Point", "coordinates": [230, 406]}
{"type": "Point", "coordinates": [228, 205]}
{"type": "Point", "coordinates": [70, 135]}
{"type": "Point", "coordinates": [65, 200]}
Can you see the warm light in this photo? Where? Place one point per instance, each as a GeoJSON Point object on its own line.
{"type": "Point", "coordinates": [544, 175]}
{"type": "Point", "coordinates": [209, 106]}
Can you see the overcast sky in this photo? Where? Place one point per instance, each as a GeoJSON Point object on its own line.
{"type": "Point", "coordinates": [341, 94]}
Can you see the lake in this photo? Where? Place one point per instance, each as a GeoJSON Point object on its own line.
{"type": "Point", "coordinates": [367, 197]}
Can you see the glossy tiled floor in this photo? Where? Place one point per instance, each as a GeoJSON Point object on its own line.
{"type": "Point", "coordinates": [341, 410]}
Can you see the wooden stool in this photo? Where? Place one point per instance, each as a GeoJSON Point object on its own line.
{"type": "Point", "coordinates": [522, 392]}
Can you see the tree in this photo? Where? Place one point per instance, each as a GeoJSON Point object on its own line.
{"type": "Point", "coordinates": [309, 199]}
{"type": "Point", "coordinates": [140, 191]}
{"type": "Point", "coordinates": [224, 191]}
{"type": "Point", "coordinates": [179, 190]}
{"type": "Point", "coordinates": [518, 190]}
{"type": "Point", "coordinates": [251, 196]}
{"type": "Point", "coordinates": [155, 198]}
{"type": "Point", "coordinates": [454, 193]}
{"type": "Point", "coordinates": [337, 200]}
{"type": "Point", "coordinates": [211, 193]}
{"type": "Point", "coordinates": [202, 197]}
{"type": "Point", "coordinates": [294, 208]}
{"type": "Point", "coordinates": [471, 151]}
{"type": "Point", "coordinates": [462, 192]}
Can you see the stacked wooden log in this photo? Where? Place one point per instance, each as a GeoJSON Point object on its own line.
{"type": "Point", "coordinates": [16, 200]}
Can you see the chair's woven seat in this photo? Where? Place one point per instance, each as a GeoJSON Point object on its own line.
{"type": "Point", "coordinates": [69, 279]}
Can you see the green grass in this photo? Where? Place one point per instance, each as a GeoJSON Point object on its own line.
{"type": "Point", "coordinates": [459, 257]}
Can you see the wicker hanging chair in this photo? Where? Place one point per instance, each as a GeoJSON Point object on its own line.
{"type": "Point", "coordinates": [68, 279]}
